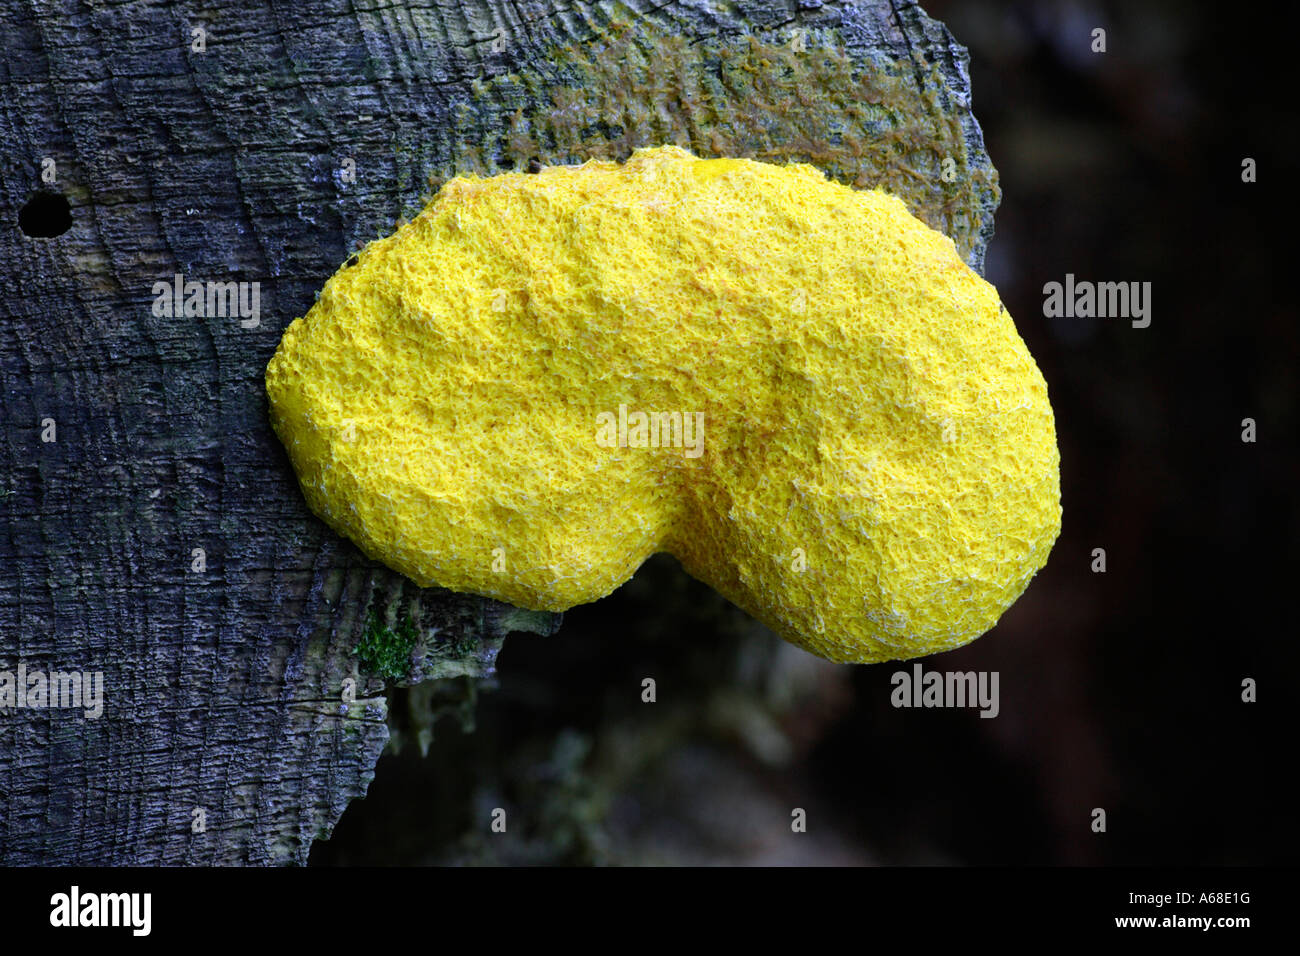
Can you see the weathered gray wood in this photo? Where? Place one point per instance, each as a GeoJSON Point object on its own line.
{"type": "Point", "coordinates": [225, 689]}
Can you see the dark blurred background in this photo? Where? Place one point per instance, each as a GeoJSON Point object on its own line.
{"type": "Point", "coordinates": [1119, 690]}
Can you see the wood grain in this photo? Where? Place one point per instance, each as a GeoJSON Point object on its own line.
{"type": "Point", "coordinates": [225, 690]}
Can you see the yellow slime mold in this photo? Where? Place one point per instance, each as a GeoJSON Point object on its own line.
{"type": "Point", "coordinates": [796, 388]}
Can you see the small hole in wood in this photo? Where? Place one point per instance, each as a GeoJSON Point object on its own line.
{"type": "Point", "coordinates": [45, 216]}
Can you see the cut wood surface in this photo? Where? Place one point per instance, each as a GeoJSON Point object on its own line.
{"type": "Point", "coordinates": [154, 532]}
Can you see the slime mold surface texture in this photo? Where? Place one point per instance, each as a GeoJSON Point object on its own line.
{"type": "Point", "coordinates": [876, 475]}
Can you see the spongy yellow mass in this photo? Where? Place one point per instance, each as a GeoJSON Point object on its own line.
{"type": "Point", "coordinates": [851, 441]}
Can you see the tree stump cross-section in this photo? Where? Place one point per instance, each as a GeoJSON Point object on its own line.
{"type": "Point", "coordinates": [154, 534]}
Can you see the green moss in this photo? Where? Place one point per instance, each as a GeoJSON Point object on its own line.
{"type": "Point", "coordinates": [386, 651]}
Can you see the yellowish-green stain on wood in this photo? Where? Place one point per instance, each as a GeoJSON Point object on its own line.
{"type": "Point", "coordinates": [804, 100]}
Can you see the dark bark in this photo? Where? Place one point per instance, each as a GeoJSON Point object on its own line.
{"type": "Point", "coordinates": [224, 689]}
